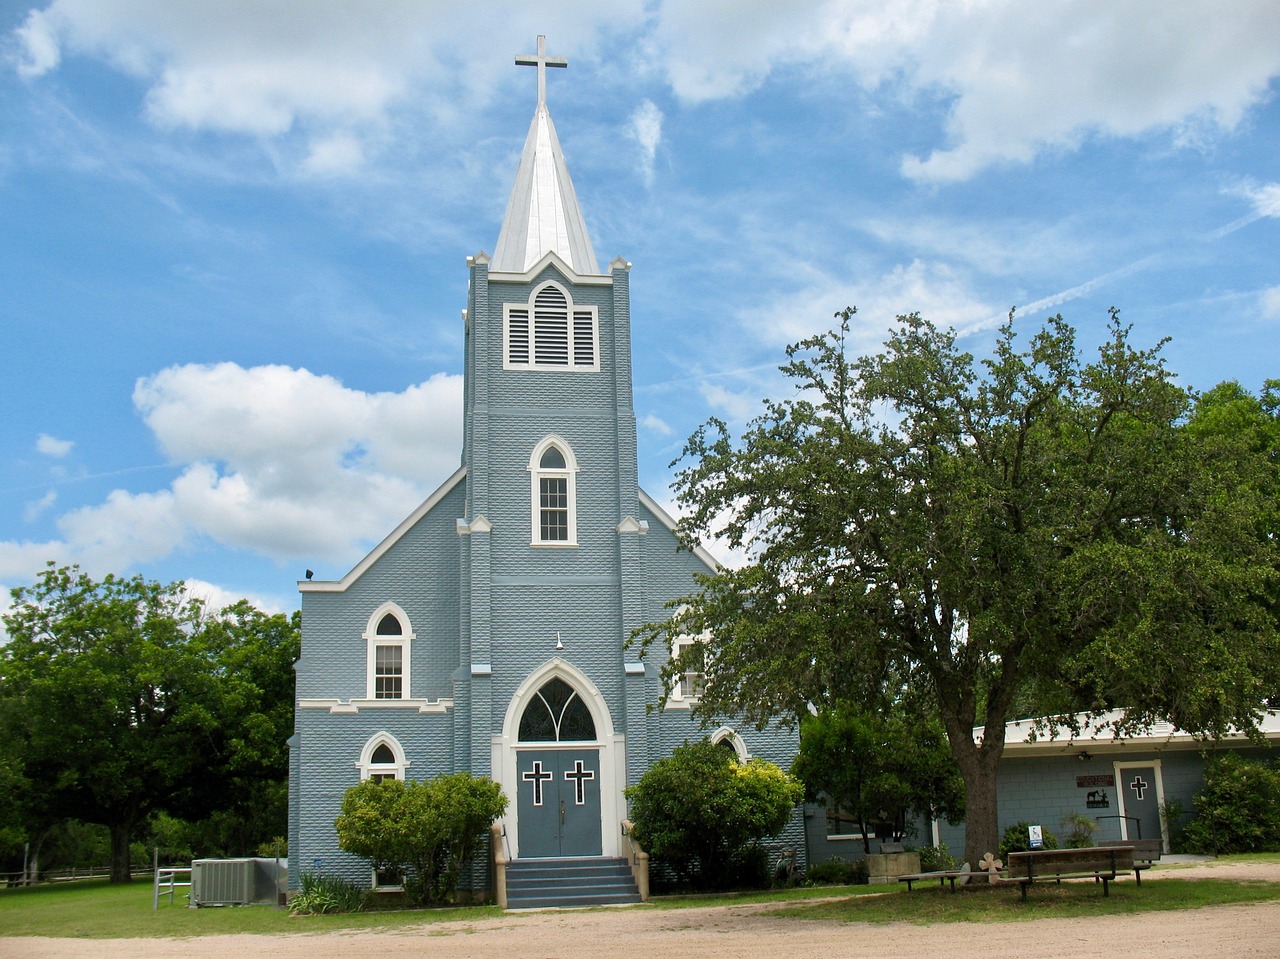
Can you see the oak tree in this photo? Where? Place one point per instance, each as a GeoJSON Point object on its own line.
{"type": "Point", "coordinates": [1035, 527]}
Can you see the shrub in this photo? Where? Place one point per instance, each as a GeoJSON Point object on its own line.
{"type": "Point", "coordinates": [325, 894]}
{"type": "Point", "coordinates": [1016, 840]}
{"type": "Point", "coordinates": [937, 858]}
{"type": "Point", "coordinates": [433, 826]}
{"type": "Point", "coordinates": [1238, 808]}
{"type": "Point", "coordinates": [838, 872]}
{"type": "Point", "coordinates": [698, 808]}
{"type": "Point", "coordinates": [1081, 829]}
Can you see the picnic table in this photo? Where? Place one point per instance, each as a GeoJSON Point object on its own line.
{"type": "Point", "coordinates": [1100, 863]}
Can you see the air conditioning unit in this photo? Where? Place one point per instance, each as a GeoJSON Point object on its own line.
{"type": "Point", "coordinates": [236, 882]}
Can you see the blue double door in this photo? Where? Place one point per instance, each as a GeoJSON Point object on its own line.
{"type": "Point", "coordinates": [558, 802]}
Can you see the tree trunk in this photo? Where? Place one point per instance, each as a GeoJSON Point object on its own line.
{"type": "Point", "coordinates": [981, 817]}
{"type": "Point", "coordinates": [121, 833]}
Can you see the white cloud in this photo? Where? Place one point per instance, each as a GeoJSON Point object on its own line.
{"type": "Point", "coordinates": [275, 460]}
{"type": "Point", "coordinates": [332, 71]}
{"type": "Point", "coordinates": [33, 510]}
{"type": "Point", "coordinates": [334, 155]}
{"type": "Point", "coordinates": [51, 446]}
{"type": "Point", "coordinates": [656, 424]}
{"type": "Point", "coordinates": [646, 130]}
{"type": "Point", "coordinates": [1020, 77]}
{"type": "Point", "coordinates": [1266, 199]}
{"type": "Point", "coordinates": [37, 38]}
{"type": "Point", "coordinates": [935, 290]}
{"type": "Point", "coordinates": [1014, 78]}
{"type": "Point", "coordinates": [1270, 302]}
{"type": "Point", "coordinates": [216, 598]}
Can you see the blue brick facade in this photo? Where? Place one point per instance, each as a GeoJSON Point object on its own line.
{"type": "Point", "coordinates": [488, 615]}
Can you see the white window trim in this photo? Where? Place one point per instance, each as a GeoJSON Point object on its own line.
{"type": "Point", "coordinates": [373, 641]}
{"type": "Point", "coordinates": [537, 474]}
{"type": "Point", "coordinates": [528, 308]}
{"type": "Point", "coordinates": [676, 699]}
{"type": "Point", "coordinates": [368, 769]}
{"type": "Point", "coordinates": [725, 734]}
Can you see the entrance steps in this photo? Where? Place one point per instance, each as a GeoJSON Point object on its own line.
{"type": "Point", "coordinates": [573, 883]}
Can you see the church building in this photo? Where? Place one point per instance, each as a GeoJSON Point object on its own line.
{"type": "Point", "coordinates": [487, 633]}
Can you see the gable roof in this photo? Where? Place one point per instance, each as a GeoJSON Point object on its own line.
{"type": "Point", "coordinates": [341, 585]}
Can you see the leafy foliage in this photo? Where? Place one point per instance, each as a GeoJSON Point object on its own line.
{"type": "Point", "coordinates": [1032, 530]}
{"type": "Point", "coordinates": [1017, 838]}
{"type": "Point", "coordinates": [320, 895]}
{"type": "Point", "coordinates": [881, 768]}
{"type": "Point", "coordinates": [937, 858]}
{"type": "Point", "coordinates": [838, 872]}
{"type": "Point", "coordinates": [433, 826]}
{"type": "Point", "coordinates": [1080, 830]}
{"type": "Point", "coordinates": [1238, 810]}
{"type": "Point", "coordinates": [700, 807]}
{"type": "Point", "coordinates": [129, 698]}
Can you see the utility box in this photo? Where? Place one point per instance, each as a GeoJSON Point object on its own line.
{"type": "Point", "coordinates": [237, 882]}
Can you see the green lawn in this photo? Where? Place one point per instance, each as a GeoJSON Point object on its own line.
{"type": "Point", "coordinates": [95, 910]}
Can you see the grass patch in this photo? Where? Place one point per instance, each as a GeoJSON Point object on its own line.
{"type": "Point", "coordinates": [97, 910]}
{"type": "Point", "coordinates": [982, 903]}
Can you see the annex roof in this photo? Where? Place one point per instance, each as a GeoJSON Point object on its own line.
{"type": "Point", "coordinates": [1025, 737]}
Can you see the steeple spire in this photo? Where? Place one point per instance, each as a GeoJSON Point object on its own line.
{"type": "Point", "coordinates": [543, 214]}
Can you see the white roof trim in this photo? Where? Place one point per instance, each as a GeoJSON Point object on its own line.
{"type": "Point", "coordinates": [1096, 736]}
{"type": "Point", "coordinates": [551, 258]}
{"type": "Point", "coordinates": [339, 586]}
{"type": "Point", "coordinates": [669, 522]}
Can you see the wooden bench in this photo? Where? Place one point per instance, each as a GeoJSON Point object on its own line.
{"type": "Point", "coordinates": [1102, 863]}
{"type": "Point", "coordinates": [942, 875]}
{"type": "Point", "coordinates": [1146, 853]}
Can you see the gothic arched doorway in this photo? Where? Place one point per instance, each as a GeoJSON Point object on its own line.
{"type": "Point", "coordinates": [558, 775]}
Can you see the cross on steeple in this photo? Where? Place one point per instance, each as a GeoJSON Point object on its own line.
{"type": "Point", "coordinates": [541, 61]}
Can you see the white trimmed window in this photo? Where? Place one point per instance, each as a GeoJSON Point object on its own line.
{"type": "Point", "coordinates": [550, 333]}
{"type": "Point", "coordinates": [389, 640]}
{"type": "Point", "coordinates": [691, 683]}
{"type": "Point", "coordinates": [383, 758]}
{"type": "Point", "coordinates": [553, 471]}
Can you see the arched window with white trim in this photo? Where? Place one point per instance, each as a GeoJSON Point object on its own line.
{"type": "Point", "coordinates": [382, 758]}
{"type": "Point", "coordinates": [550, 332]}
{"type": "Point", "coordinates": [389, 639]}
{"type": "Point", "coordinates": [554, 472]}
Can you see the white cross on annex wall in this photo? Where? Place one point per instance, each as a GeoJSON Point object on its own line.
{"type": "Point", "coordinates": [541, 61]}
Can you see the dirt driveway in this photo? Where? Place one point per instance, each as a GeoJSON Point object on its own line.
{"type": "Point", "coordinates": [742, 932]}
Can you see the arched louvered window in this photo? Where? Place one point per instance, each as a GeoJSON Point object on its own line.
{"type": "Point", "coordinates": [550, 333]}
{"type": "Point", "coordinates": [557, 714]}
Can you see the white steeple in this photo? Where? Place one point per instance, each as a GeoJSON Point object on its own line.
{"type": "Point", "coordinates": [542, 214]}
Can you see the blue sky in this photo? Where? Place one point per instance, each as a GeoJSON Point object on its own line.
{"type": "Point", "coordinates": [233, 235]}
